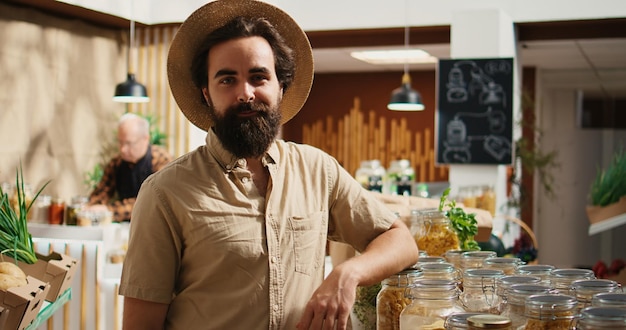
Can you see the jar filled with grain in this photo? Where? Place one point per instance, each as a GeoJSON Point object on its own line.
{"type": "Point", "coordinates": [435, 234]}
{"type": "Point", "coordinates": [514, 303]}
{"type": "Point", "coordinates": [561, 279]}
{"type": "Point", "coordinates": [609, 299]}
{"type": "Point", "coordinates": [584, 290]}
{"type": "Point", "coordinates": [391, 299]}
{"type": "Point", "coordinates": [432, 301]}
{"type": "Point", "coordinates": [601, 318]}
{"type": "Point", "coordinates": [550, 312]}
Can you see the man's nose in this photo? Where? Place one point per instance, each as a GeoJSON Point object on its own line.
{"type": "Point", "coordinates": [246, 93]}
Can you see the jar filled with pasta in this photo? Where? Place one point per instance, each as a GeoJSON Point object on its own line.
{"type": "Point", "coordinates": [391, 299]}
{"type": "Point", "coordinates": [434, 233]}
{"type": "Point", "coordinates": [584, 290]}
{"type": "Point", "coordinates": [550, 312]}
{"type": "Point", "coordinates": [609, 299]}
{"type": "Point", "coordinates": [601, 318]}
{"type": "Point", "coordinates": [479, 290]}
{"type": "Point", "coordinates": [431, 302]}
{"type": "Point", "coordinates": [561, 279]}
{"type": "Point", "coordinates": [514, 306]}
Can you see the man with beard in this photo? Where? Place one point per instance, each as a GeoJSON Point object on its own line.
{"type": "Point", "coordinates": [233, 234]}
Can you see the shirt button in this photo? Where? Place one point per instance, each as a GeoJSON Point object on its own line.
{"type": "Point", "coordinates": [275, 308]}
{"type": "Point", "coordinates": [228, 167]}
{"type": "Point", "coordinates": [273, 260]}
{"type": "Point", "coordinates": [241, 162]}
{"type": "Point", "coordinates": [244, 180]}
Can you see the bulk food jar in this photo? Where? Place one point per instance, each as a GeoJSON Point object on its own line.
{"type": "Point", "coordinates": [439, 270]}
{"type": "Point", "coordinates": [602, 318]}
{"type": "Point", "coordinates": [507, 265]}
{"type": "Point", "coordinates": [514, 303]}
{"type": "Point", "coordinates": [475, 259]}
{"type": "Point", "coordinates": [479, 290]}
{"type": "Point", "coordinates": [505, 282]}
{"type": "Point", "coordinates": [561, 279]}
{"type": "Point", "coordinates": [609, 299]}
{"type": "Point", "coordinates": [542, 271]}
{"type": "Point", "coordinates": [434, 233]}
{"type": "Point", "coordinates": [458, 321]}
{"type": "Point", "coordinates": [431, 302]}
{"type": "Point", "coordinates": [584, 290]}
{"type": "Point", "coordinates": [391, 299]}
{"type": "Point", "coordinates": [550, 312]}
{"type": "Point", "coordinates": [488, 321]}
{"type": "Point", "coordinates": [371, 175]}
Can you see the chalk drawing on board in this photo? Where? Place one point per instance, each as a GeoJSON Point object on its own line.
{"type": "Point", "coordinates": [481, 85]}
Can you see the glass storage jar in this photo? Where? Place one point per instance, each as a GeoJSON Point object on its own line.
{"type": "Point", "coordinates": [400, 177]}
{"type": "Point", "coordinates": [439, 270]}
{"type": "Point", "coordinates": [435, 234]}
{"type": "Point", "coordinates": [371, 175]}
{"type": "Point", "coordinates": [505, 282]}
{"type": "Point", "coordinates": [602, 318]}
{"type": "Point", "coordinates": [549, 312]}
{"type": "Point", "coordinates": [431, 302]}
{"type": "Point", "coordinates": [71, 211]}
{"type": "Point", "coordinates": [458, 321]}
{"type": "Point", "coordinates": [561, 279]}
{"type": "Point", "coordinates": [489, 321]}
{"type": "Point", "coordinates": [479, 290]}
{"type": "Point", "coordinates": [514, 303]}
{"type": "Point", "coordinates": [391, 299]}
{"type": "Point", "coordinates": [609, 299]}
{"type": "Point", "coordinates": [454, 257]}
{"type": "Point", "coordinates": [584, 290]}
{"type": "Point", "coordinates": [507, 265]}
{"type": "Point", "coordinates": [475, 259]}
{"type": "Point", "coordinates": [542, 271]}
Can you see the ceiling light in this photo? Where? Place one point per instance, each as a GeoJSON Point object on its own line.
{"type": "Point", "coordinates": [130, 91]}
{"type": "Point", "coordinates": [394, 56]}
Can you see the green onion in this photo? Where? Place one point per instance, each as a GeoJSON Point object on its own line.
{"type": "Point", "coordinates": [15, 240]}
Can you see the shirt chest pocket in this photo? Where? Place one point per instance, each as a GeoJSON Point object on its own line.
{"type": "Point", "coordinates": [309, 241]}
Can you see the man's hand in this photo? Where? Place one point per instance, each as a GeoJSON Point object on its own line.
{"type": "Point", "coordinates": [330, 305]}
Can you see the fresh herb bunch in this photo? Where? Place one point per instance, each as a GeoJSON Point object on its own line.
{"type": "Point", "coordinates": [465, 225]}
{"type": "Point", "coordinates": [365, 305]}
{"type": "Point", "coordinates": [15, 240]}
{"type": "Point", "coordinates": [610, 184]}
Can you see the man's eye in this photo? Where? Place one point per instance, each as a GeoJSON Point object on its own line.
{"type": "Point", "coordinates": [227, 81]}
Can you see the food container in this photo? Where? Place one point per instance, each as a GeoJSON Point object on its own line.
{"type": "Point", "coordinates": [550, 311]}
{"type": "Point", "coordinates": [432, 301]}
{"type": "Point", "coordinates": [561, 279]}
{"type": "Point", "coordinates": [479, 290]}
{"type": "Point", "coordinates": [514, 303]}
{"type": "Point", "coordinates": [487, 321]}
{"type": "Point", "coordinates": [391, 299]}
{"type": "Point", "coordinates": [601, 318]}
{"type": "Point", "coordinates": [434, 233]}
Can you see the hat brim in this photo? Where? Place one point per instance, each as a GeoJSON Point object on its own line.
{"type": "Point", "coordinates": [213, 15]}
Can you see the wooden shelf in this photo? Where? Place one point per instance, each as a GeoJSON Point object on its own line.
{"type": "Point", "coordinates": [607, 224]}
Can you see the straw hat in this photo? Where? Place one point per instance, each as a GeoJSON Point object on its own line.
{"type": "Point", "coordinates": [213, 15]}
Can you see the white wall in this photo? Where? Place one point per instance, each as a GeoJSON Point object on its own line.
{"type": "Point", "coordinates": [561, 224]}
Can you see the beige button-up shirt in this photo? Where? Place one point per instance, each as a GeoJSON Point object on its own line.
{"type": "Point", "coordinates": [205, 242]}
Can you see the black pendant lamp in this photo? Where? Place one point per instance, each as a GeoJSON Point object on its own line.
{"type": "Point", "coordinates": [405, 98]}
{"type": "Point", "coordinates": [131, 91]}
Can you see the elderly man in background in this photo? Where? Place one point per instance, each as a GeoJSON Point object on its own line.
{"type": "Point", "coordinates": [123, 175]}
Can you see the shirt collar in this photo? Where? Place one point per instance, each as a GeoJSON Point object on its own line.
{"type": "Point", "coordinates": [228, 161]}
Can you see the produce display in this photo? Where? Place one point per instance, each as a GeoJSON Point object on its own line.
{"type": "Point", "coordinates": [11, 276]}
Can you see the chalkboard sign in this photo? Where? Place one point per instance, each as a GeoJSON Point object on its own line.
{"type": "Point", "coordinates": [475, 111]}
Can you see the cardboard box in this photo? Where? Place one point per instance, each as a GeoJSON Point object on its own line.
{"type": "Point", "coordinates": [4, 316]}
{"type": "Point", "coordinates": [599, 213]}
{"type": "Point", "coordinates": [23, 303]}
{"type": "Point", "coordinates": [55, 268]}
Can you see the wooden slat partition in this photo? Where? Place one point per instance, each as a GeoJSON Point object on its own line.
{"type": "Point", "coordinates": [352, 139]}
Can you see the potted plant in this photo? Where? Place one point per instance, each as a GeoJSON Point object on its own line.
{"type": "Point", "coordinates": [608, 191]}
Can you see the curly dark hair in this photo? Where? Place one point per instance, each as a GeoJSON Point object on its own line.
{"type": "Point", "coordinates": [241, 27]}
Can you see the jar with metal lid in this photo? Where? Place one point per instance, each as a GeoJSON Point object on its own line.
{"type": "Point", "coordinates": [371, 175]}
{"type": "Point", "coordinates": [458, 321]}
{"type": "Point", "coordinates": [506, 281]}
{"type": "Point", "coordinates": [439, 270]}
{"type": "Point", "coordinates": [542, 271]}
{"type": "Point", "coordinates": [601, 318]}
{"type": "Point", "coordinates": [391, 299]}
{"type": "Point", "coordinates": [56, 211]}
{"type": "Point", "coordinates": [488, 321]}
{"type": "Point", "coordinates": [479, 290]}
{"type": "Point", "coordinates": [400, 177]}
{"type": "Point", "coordinates": [454, 257]}
{"type": "Point", "coordinates": [71, 211]}
{"type": "Point", "coordinates": [435, 234]}
{"type": "Point", "coordinates": [561, 279]}
{"type": "Point", "coordinates": [584, 290]}
{"type": "Point", "coordinates": [514, 303]}
{"type": "Point", "coordinates": [431, 302]}
{"type": "Point", "coordinates": [429, 259]}
{"type": "Point", "coordinates": [475, 259]}
{"type": "Point", "coordinates": [550, 312]}
{"type": "Point", "coordinates": [609, 299]}
{"type": "Point", "coordinates": [507, 265]}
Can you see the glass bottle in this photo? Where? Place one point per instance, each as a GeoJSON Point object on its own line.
{"type": "Point", "coordinates": [71, 212]}
{"type": "Point", "coordinates": [371, 175]}
{"type": "Point", "coordinates": [609, 299]}
{"type": "Point", "coordinates": [40, 209]}
{"type": "Point", "coordinates": [458, 321]}
{"type": "Point", "coordinates": [541, 271]}
{"type": "Point", "coordinates": [602, 318]}
{"type": "Point", "coordinates": [488, 321]}
{"type": "Point", "coordinates": [431, 302]}
{"type": "Point", "coordinates": [401, 177]}
{"type": "Point", "coordinates": [56, 211]}
{"type": "Point", "coordinates": [435, 234]}
{"type": "Point", "coordinates": [550, 311]}
{"type": "Point", "coordinates": [391, 299]}
{"type": "Point", "coordinates": [514, 303]}
{"type": "Point", "coordinates": [507, 265]}
{"type": "Point", "coordinates": [475, 259]}
{"type": "Point", "coordinates": [561, 279]}
{"type": "Point", "coordinates": [584, 290]}
{"type": "Point", "coordinates": [488, 200]}
{"type": "Point", "coordinates": [479, 290]}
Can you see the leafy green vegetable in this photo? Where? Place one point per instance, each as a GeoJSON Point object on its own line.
{"type": "Point", "coordinates": [610, 184]}
{"type": "Point", "coordinates": [15, 240]}
{"type": "Point", "coordinates": [365, 305]}
{"type": "Point", "coordinates": [465, 225]}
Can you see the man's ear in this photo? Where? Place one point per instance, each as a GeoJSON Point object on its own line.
{"type": "Point", "coordinates": [205, 94]}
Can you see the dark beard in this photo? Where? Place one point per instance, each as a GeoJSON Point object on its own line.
{"type": "Point", "coordinates": [247, 137]}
